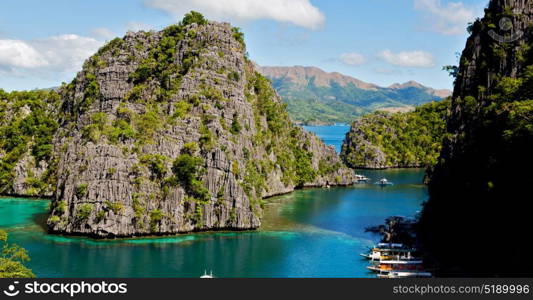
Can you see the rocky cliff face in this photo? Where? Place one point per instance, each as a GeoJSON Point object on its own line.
{"type": "Point", "coordinates": [174, 131]}
{"type": "Point", "coordinates": [478, 190]}
{"type": "Point", "coordinates": [498, 47]}
{"type": "Point", "coordinates": [27, 125]}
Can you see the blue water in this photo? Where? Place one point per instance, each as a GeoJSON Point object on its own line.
{"type": "Point", "coordinates": [331, 135]}
{"type": "Point", "coordinates": [309, 233]}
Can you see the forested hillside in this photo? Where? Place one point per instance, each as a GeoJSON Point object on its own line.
{"type": "Point", "coordinates": [384, 140]}
{"type": "Point", "coordinates": [315, 97]}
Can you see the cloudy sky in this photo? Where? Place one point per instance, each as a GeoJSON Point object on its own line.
{"type": "Point", "coordinates": [43, 43]}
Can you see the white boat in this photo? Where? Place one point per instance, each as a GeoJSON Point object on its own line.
{"type": "Point", "coordinates": [384, 182]}
{"type": "Point", "coordinates": [361, 178]}
{"type": "Point", "coordinates": [406, 255]}
{"type": "Point", "coordinates": [391, 260]}
{"type": "Point", "coordinates": [399, 274]}
{"type": "Point", "coordinates": [206, 276]}
{"type": "Point", "coordinates": [384, 267]}
{"type": "Point", "coordinates": [413, 268]}
{"type": "Point", "coordinates": [390, 251]}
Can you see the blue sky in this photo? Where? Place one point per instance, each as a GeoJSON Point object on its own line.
{"type": "Point", "coordinates": [43, 43]}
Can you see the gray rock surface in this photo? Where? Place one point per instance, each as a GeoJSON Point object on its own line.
{"type": "Point", "coordinates": [21, 172]}
{"type": "Point", "coordinates": [106, 188]}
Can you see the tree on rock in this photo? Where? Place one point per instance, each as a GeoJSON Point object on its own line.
{"type": "Point", "coordinates": [12, 259]}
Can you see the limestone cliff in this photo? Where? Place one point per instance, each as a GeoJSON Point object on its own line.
{"type": "Point", "coordinates": [479, 189]}
{"type": "Point", "coordinates": [174, 131]}
{"type": "Point", "coordinates": [28, 122]}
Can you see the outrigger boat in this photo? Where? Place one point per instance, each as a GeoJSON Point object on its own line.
{"type": "Point", "coordinates": [361, 178]}
{"type": "Point", "coordinates": [416, 274]}
{"type": "Point", "coordinates": [390, 260]}
{"type": "Point", "coordinates": [390, 251]}
{"type": "Point", "coordinates": [384, 182]}
{"type": "Point", "coordinates": [399, 269]}
{"type": "Point", "coordinates": [386, 266]}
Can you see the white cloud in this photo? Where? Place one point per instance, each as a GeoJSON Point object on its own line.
{"type": "Point", "coordinates": [417, 58]}
{"type": "Point", "coordinates": [352, 59]}
{"type": "Point", "coordinates": [102, 32]}
{"type": "Point", "coordinates": [299, 12]}
{"type": "Point", "coordinates": [18, 54]}
{"type": "Point", "coordinates": [449, 19]}
{"type": "Point", "coordinates": [138, 26]}
{"type": "Point", "coordinates": [62, 53]}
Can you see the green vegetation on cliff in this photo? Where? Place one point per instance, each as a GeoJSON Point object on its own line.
{"type": "Point", "coordinates": [280, 136]}
{"type": "Point", "coordinates": [480, 188]}
{"type": "Point", "coordinates": [185, 135]}
{"type": "Point", "coordinates": [384, 140]}
{"type": "Point", "coordinates": [27, 125]}
{"type": "Point", "coordinates": [12, 259]}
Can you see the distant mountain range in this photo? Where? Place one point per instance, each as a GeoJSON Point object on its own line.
{"type": "Point", "coordinates": [314, 96]}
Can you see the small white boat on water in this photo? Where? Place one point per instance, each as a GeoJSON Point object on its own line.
{"type": "Point", "coordinates": [361, 178]}
{"type": "Point", "coordinates": [396, 274]}
{"type": "Point", "coordinates": [384, 182]}
{"type": "Point", "coordinates": [207, 276]}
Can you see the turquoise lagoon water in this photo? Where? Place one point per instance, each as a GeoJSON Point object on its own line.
{"type": "Point", "coordinates": [309, 233]}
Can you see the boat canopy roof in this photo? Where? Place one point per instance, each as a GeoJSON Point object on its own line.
{"type": "Point", "coordinates": [391, 245]}
{"type": "Point", "coordinates": [394, 250]}
{"type": "Point", "coordinates": [397, 245]}
{"type": "Point", "coordinates": [401, 262]}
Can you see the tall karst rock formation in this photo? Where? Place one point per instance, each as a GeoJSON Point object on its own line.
{"type": "Point", "coordinates": [479, 211]}
{"type": "Point", "coordinates": [175, 131]}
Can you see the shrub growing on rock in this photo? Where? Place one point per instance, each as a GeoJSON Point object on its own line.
{"type": "Point", "coordinates": [84, 211]}
{"type": "Point", "coordinates": [81, 190]}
